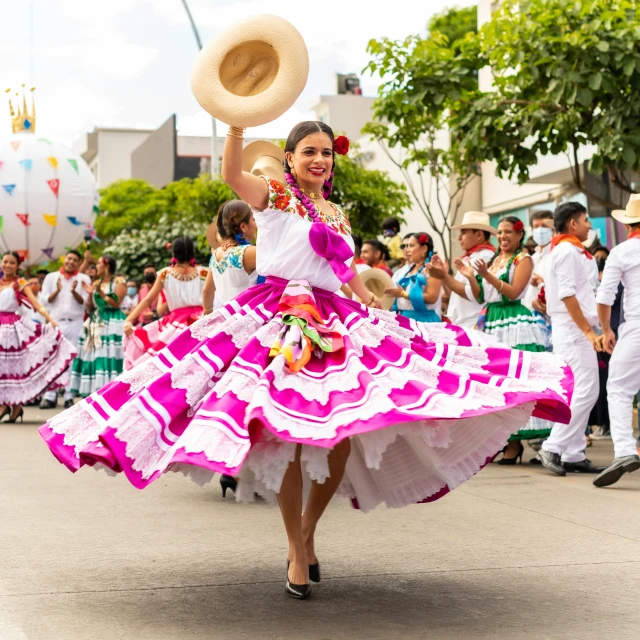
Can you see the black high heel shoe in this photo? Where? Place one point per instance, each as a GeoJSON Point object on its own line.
{"type": "Point", "coordinates": [20, 415]}
{"type": "Point", "coordinates": [297, 591]}
{"type": "Point", "coordinates": [515, 459]}
{"type": "Point", "coordinates": [7, 411]}
{"type": "Point", "coordinates": [228, 482]}
{"type": "Point", "coordinates": [314, 572]}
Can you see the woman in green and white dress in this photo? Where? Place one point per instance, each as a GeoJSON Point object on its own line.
{"type": "Point", "coordinates": [501, 284]}
{"type": "Point", "coordinates": [100, 350]}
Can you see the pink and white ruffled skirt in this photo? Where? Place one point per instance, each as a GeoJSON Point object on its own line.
{"type": "Point", "coordinates": [426, 406]}
{"type": "Point", "coordinates": [149, 339]}
{"type": "Point", "coordinates": [32, 357]}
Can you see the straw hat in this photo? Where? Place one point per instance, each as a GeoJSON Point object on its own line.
{"type": "Point", "coordinates": [262, 158]}
{"type": "Point", "coordinates": [630, 215]}
{"type": "Point", "coordinates": [252, 73]}
{"type": "Point", "coordinates": [476, 220]}
{"type": "Point", "coordinates": [377, 280]}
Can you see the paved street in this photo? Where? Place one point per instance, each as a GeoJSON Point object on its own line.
{"type": "Point", "coordinates": [515, 553]}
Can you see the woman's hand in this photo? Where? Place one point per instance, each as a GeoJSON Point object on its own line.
{"type": "Point", "coordinates": [53, 323]}
{"type": "Point", "coordinates": [465, 269]}
{"type": "Point", "coordinates": [376, 303]}
{"type": "Point", "coordinates": [95, 288]}
{"type": "Point", "coordinates": [128, 328]}
{"type": "Point", "coordinates": [438, 268]}
{"type": "Point", "coordinates": [482, 268]}
{"type": "Point", "coordinates": [396, 292]}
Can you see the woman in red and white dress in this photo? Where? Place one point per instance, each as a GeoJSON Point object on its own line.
{"type": "Point", "coordinates": [182, 284]}
{"type": "Point", "coordinates": [32, 356]}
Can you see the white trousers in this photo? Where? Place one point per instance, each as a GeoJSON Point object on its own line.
{"type": "Point", "coordinates": [624, 382]}
{"type": "Point", "coordinates": [569, 439]}
{"type": "Point", "coordinates": [71, 330]}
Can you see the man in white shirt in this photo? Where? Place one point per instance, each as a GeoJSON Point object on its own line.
{"type": "Point", "coordinates": [542, 231]}
{"type": "Point", "coordinates": [64, 294]}
{"type": "Point", "coordinates": [572, 280]}
{"type": "Point", "coordinates": [474, 238]}
{"type": "Point", "coordinates": [623, 265]}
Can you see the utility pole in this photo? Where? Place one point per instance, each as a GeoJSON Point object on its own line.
{"type": "Point", "coordinates": [214, 131]}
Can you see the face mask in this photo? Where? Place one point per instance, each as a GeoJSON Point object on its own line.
{"type": "Point", "coordinates": [150, 278]}
{"type": "Point", "coordinates": [131, 291]}
{"type": "Point", "coordinates": [388, 233]}
{"type": "Point", "coordinates": [542, 236]}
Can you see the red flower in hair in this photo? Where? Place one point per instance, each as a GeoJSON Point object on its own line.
{"type": "Point", "coordinates": [341, 145]}
{"type": "Point", "coordinates": [423, 238]}
{"type": "Point", "coordinates": [168, 246]}
{"type": "Point", "coordinates": [518, 226]}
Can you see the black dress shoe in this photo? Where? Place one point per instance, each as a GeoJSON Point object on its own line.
{"type": "Point", "coordinates": [551, 461]}
{"type": "Point", "coordinates": [48, 404]}
{"type": "Point", "coordinates": [314, 572]}
{"type": "Point", "coordinates": [620, 466]}
{"type": "Point", "coordinates": [68, 404]}
{"type": "Point", "coordinates": [584, 466]}
{"type": "Point", "coordinates": [297, 591]}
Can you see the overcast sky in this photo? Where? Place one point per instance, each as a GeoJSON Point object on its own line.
{"type": "Point", "coordinates": [126, 63]}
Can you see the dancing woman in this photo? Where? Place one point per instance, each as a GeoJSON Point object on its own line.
{"type": "Point", "coordinates": [232, 268]}
{"type": "Point", "coordinates": [501, 284]}
{"type": "Point", "coordinates": [418, 295]}
{"type": "Point", "coordinates": [182, 284]}
{"type": "Point", "coordinates": [100, 350]}
{"type": "Point", "coordinates": [32, 356]}
{"type": "Point", "coordinates": [286, 376]}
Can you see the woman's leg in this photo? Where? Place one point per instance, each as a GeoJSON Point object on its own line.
{"type": "Point", "coordinates": [290, 501]}
{"type": "Point", "coordinates": [321, 494]}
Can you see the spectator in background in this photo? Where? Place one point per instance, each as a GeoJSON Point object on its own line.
{"type": "Point", "coordinates": [92, 271]}
{"type": "Point", "coordinates": [149, 276]}
{"type": "Point", "coordinates": [375, 254]}
{"type": "Point", "coordinates": [390, 231]}
{"type": "Point", "coordinates": [41, 274]}
{"type": "Point", "coordinates": [130, 301]}
{"type": "Point", "coordinates": [600, 253]}
{"type": "Point", "coordinates": [361, 265]}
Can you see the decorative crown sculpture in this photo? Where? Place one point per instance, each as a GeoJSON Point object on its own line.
{"type": "Point", "coordinates": [21, 119]}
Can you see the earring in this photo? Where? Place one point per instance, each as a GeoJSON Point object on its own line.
{"type": "Point", "coordinates": [293, 173]}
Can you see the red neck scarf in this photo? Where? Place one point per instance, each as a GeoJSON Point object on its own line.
{"type": "Point", "coordinates": [634, 233]}
{"type": "Point", "coordinates": [68, 275]}
{"type": "Point", "coordinates": [479, 247]}
{"type": "Point", "coordinates": [564, 237]}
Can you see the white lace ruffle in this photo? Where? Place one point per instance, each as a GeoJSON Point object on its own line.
{"type": "Point", "coordinates": [13, 336]}
{"type": "Point", "coordinates": [515, 334]}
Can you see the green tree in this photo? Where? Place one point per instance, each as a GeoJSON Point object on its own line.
{"type": "Point", "coordinates": [135, 248]}
{"type": "Point", "coordinates": [565, 78]}
{"type": "Point", "coordinates": [367, 196]}
{"type": "Point", "coordinates": [455, 22]}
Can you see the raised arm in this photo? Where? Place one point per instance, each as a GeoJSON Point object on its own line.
{"type": "Point", "coordinates": [208, 294]}
{"type": "Point", "coordinates": [521, 277]}
{"type": "Point", "coordinates": [250, 188]}
{"type": "Point", "coordinates": [37, 306]}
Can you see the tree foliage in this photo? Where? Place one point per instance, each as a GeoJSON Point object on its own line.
{"type": "Point", "coordinates": [565, 76]}
{"type": "Point", "coordinates": [455, 22]}
{"type": "Point", "coordinates": [135, 248]}
{"type": "Point", "coordinates": [367, 196]}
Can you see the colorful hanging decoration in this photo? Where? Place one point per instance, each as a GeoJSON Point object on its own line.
{"type": "Point", "coordinates": [48, 252]}
{"type": "Point", "coordinates": [54, 185]}
{"type": "Point", "coordinates": [9, 188]}
{"type": "Point", "coordinates": [53, 161]}
{"type": "Point", "coordinates": [50, 219]}
{"type": "Point", "coordinates": [24, 218]}
{"type": "Point", "coordinates": [27, 164]}
{"type": "Point", "coordinates": [1, 223]}
{"type": "Point", "coordinates": [15, 144]}
{"type": "Point", "coordinates": [73, 163]}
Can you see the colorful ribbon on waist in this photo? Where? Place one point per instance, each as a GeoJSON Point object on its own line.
{"type": "Point", "coordinates": [303, 327]}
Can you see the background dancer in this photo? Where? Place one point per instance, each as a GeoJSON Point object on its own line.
{"type": "Point", "coordinates": [182, 284]}
{"type": "Point", "coordinates": [32, 355]}
{"type": "Point", "coordinates": [623, 266]}
{"type": "Point", "coordinates": [418, 295]}
{"type": "Point", "coordinates": [571, 303]}
{"type": "Point", "coordinates": [100, 351]}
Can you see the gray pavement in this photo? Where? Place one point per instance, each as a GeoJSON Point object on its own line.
{"type": "Point", "coordinates": [514, 553]}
